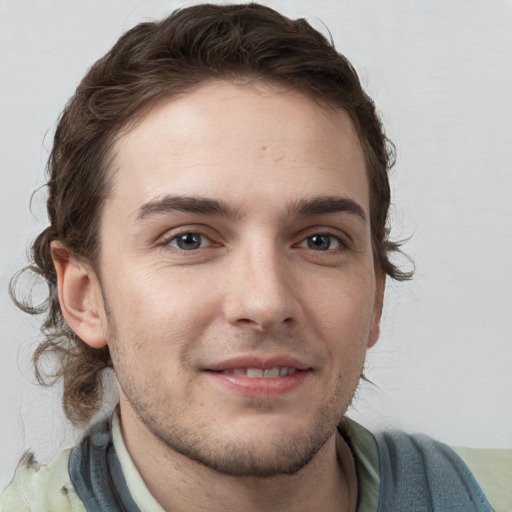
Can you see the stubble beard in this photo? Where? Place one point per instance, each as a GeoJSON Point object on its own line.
{"type": "Point", "coordinates": [288, 452]}
{"type": "Point", "coordinates": [285, 454]}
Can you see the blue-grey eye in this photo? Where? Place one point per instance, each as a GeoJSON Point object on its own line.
{"type": "Point", "coordinates": [188, 241]}
{"type": "Point", "coordinates": [322, 242]}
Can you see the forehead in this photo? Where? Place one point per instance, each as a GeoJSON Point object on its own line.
{"type": "Point", "coordinates": [244, 142]}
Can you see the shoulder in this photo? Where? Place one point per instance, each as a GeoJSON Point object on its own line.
{"type": "Point", "coordinates": [394, 465]}
{"type": "Point", "coordinates": [470, 479]}
{"type": "Point", "coordinates": [38, 488]}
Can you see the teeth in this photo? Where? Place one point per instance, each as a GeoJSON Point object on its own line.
{"type": "Point", "coordinates": [273, 373]}
{"type": "Point", "coordinates": [255, 373]}
{"type": "Point", "coordinates": [258, 373]}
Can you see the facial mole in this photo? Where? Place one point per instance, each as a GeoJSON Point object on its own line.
{"type": "Point", "coordinates": [263, 148]}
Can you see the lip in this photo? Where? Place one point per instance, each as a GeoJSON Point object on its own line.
{"type": "Point", "coordinates": [258, 388]}
{"type": "Point", "coordinates": [256, 361]}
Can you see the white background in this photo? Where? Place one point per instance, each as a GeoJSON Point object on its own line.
{"type": "Point", "coordinates": [441, 75]}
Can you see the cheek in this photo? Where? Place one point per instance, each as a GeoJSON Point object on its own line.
{"type": "Point", "coordinates": [161, 309]}
{"type": "Point", "coordinates": [343, 306]}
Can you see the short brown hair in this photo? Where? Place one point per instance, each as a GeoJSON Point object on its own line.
{"type": "Point", "coordinates": [158, 60]}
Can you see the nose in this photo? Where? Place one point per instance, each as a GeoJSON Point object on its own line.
{"type": "Point", "coordinates": [261, 293]}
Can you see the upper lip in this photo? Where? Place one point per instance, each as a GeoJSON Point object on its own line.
{"type": "Point", "coordinates": [257, 361]}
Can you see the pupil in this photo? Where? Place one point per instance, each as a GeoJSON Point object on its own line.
{"type": "Point", "coordinates": [319, 242]}
{"type": "Point", "coordinates": [189, 241]}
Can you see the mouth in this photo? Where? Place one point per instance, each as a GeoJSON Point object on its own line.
{"type": "Point", "coordinates": [255, 377]}
{"type": "Point", "coordinates": [260, 373]}
{"type": "Point", "coordinates": [259, 366]}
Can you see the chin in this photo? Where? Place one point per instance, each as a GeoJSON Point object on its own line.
{"type": "Point", "coordinates": [260, 449]}
{"type": "Point", "coordinates": [251, 459]}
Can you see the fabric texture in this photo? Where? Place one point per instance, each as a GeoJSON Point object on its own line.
{"type": "Point", "coordinates": [492, 467]}
{"type": "Point", "coordinates": [96, 473]}
{"type": "Point", "coordinates": [366, 458]}
{"type": "Point", "coordinates": [37, 488]}
{"type": "Point", "coordinates": [136, 485]}
{"type": "Point", "coordinates": [420, 474]}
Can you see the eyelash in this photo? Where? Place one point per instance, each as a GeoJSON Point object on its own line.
{"type": "Point", "coordinates": [341, 243]}
{"type": "Point", "coordinates": [184, 234]}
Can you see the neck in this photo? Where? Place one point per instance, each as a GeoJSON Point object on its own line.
{"type": "Point", "coordinates": [327, 483]}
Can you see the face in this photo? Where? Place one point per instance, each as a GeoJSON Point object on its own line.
{"type": "Point", "coordinates": [237, 276]}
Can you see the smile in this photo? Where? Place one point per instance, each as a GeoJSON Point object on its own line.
{"type": "Point", "coordinates": [259, 383]}
{"type": "Point", "coordinates": [259, 373]}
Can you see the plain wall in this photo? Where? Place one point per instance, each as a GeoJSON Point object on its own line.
{"type": "Point", "coordinates": [440, 73]}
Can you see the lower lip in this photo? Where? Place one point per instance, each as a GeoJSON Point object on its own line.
{"type": "Point", "coordinates": [266, 388]}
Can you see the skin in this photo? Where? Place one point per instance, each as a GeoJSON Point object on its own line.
{"type": "Point", "coordinates": [178, 293]}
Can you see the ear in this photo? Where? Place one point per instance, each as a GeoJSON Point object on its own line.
{"type": "Point", "coordinates": [80, 297]}
{"type": "Point", "coordinates": [377, 311]}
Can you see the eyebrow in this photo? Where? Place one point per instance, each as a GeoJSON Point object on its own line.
{"type": "Point", "coordinates": [199, 205]}
{"type": "Point", "coordinates": [324, 205]}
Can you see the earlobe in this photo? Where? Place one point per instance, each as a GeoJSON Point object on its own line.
{"type": "Point", "coordinates": [80, 297]}
{"type": "Point", "coordinates": [379, 301]}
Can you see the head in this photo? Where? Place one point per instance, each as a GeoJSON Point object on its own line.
{"type": "Point", "coordinates": [248, 48]}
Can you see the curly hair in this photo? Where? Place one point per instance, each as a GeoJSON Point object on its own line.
{"type": "Point", "coordinates": [157, 60]}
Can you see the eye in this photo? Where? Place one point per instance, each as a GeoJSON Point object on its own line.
{"type": "Point", "coordinates": [321, 242]}
{"type": "Point", "coordinates": [189, 241]}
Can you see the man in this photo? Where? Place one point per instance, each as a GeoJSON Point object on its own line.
{"type": "Point", "coordinates": [218, 196]}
